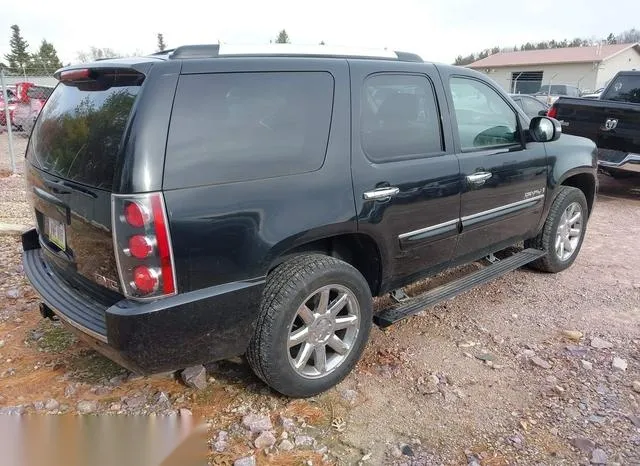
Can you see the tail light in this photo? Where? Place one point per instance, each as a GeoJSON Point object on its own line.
{"type": "Point", "coordinates": [553, 112]}
{"type": "Point", "coordinates": [142, 245]}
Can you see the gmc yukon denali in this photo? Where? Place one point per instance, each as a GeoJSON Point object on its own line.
{"type": "Point", "coordinates": [209, 202]}
{"type": "Point", "coordinates": [612, 122]}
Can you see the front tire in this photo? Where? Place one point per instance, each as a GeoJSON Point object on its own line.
{"type": "Point", "coordinates": [314, 322]}
{"type": "Point", "coordinates": [563, 232]}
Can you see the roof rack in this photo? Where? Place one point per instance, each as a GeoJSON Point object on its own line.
{"type": "Point", "coordinates": [284, 50]}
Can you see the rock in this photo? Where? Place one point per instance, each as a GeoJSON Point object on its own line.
{"type": "Point", "coordinates": [51, 404]}
{"type": "Point", "coordinates": [574, 350]}
{"type": "Point", "coordinates": [287, 424]}
{"type": "Point", "coordinates": [587, 365]}
{"type": "Point", "coordinates": [101, 391]}
{"type": "Point", "coordinates": [38, 405]}
{"type": "Point", "coordinates": [184, 412]}
{"type": "Point", "coordinates": [13, 293]}
{"type": "Point", "coordinates": [396, 452]}
{"type": "Point", "coordinates": [135, 402]}
{"type": "Point", "coordinates": [69, 391]}
{"type": "Point", "coordinates": [535, 360]}
{"type": "Point", "coordinates": [115, 407]}
{"type": "Point", "coordinates": [583, 444]}
{"type": "Point", "coordinates": [246, 461]}
{"type": "Point", "coordinates": [636, 386]}
{"type": "Point", "coordinates": [598, 456]}
{"type": "Point", "coordinates": [573, 335]}
{"type": "Point", "coordinates": [163, 400]}
{"type": "Point", "coordinates": [485, 357]}
{"type": "Point", "coordinates": [195, 377]}
{"type": "Point", "coordinates": [257, 423]}
{"type": "Point", "coordinates": [12, 410]}
{"type": "Point", "coordinates": [221, 442]}
{"type": "Point", "coordinates": [286, 445]}
{"type": "Point", "coordinates": [407, 451]}
{"type": "Point", "coordinates": [349, 395]}
{"type": "Point", "coordinates": [266, 439]}
{"type": "Point", "coordinates": [599, 343]}
{"type": "Point", "coordinates": [303, 441]}
{"type": "Point", "coordinates": [635, 420]}
{"type": "Point", "coordinates": [528, 353]}
{"type": "Point", "coordinates": [597, 419]}
{"type": "Point", "coordinates": [87, 406]}
{"type": "Point", "coordinates": [619, 364]}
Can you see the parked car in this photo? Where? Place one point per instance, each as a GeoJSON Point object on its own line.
{"type": "Point", "coordinates": [30, 100]}
{"type": "Point", "coordinates": [612, 122]}
{"type": "Point", "coordinates": [255, 201]}
{"type": "Point", "coordinates": [530, 105]}
{"type": "Point", "coordinates": [551, 92]}
{"type": "Point", "coordinates": [11, 96]}
{"type": "Point", "coordinates": [592, 95]}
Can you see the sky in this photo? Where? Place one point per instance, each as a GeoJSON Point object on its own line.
{"type": "Point", "coordinates": [436, 30]}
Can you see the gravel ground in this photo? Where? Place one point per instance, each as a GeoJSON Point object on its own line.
{"type": "Point", "coordinates": [530, 369]}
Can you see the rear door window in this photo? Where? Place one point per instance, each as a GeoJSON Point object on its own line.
{"type": "Point", "coordinates": [228, 127]}
{"type": "Point", "coordinates": [399, 117]}
{"type": "Point", "coordinates": [77, 136]}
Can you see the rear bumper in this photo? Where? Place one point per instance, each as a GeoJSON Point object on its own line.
{"type": "Point", "coordinates": [619, 160]}
{"type": "Point", "coordinates": [168, 334]}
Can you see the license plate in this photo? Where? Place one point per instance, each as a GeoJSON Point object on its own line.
{"type": "Point", "coordinates": [55, 232]}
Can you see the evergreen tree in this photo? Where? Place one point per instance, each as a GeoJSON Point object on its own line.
{"type": "Point", "coordinates": [161, 45]}
{"type": "Point", "coordinates": [19, 56]}
{"type": "Point", "coordinates": [283, 37]}
{"type": "Point", "coordinates": [46, 60]}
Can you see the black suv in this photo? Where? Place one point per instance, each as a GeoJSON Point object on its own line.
{"type": "Point", "coordinates": [206, 203]}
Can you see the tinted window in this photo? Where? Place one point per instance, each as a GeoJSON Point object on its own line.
{"type": "Point", "coordinates": [624, 89]}
{"type": "Point", "coordinates": [532, 107]}
{"type": "Point", "coordinates": [243, 126]}
{"type": "Point", "coordinates": [78, 133]}
{"type": "Point", "coordinates": [399, 117]}
{"type": "Point", "coordinates": [483, 117]}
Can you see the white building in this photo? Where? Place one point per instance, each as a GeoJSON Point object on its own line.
{"type": "Point", "coordinates": [588, 68]}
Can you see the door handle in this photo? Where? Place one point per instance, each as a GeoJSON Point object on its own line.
{"type": "Point", "coordinates": [478, 178]}
{"type": "Point", "coordinates": [381, 194]}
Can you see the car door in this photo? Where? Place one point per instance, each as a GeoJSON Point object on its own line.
{"type": "Point", "coordinates": [405, 173]}
{"type": "Point", "coordinates": [503, 179]}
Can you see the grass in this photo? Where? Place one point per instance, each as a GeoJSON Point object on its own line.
{"type": "Point", "coordinates": [91, 367]}
{"type": "Point", "coordinates": [55, 338]}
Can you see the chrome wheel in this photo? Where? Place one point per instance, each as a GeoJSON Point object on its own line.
{"type": "Point", "coordinates": [569, 231]}
{"type": "Point", "coordinates": [323, 331]}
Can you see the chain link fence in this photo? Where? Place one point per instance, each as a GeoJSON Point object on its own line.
{"type": "Point", "coordinates": [22, 96]}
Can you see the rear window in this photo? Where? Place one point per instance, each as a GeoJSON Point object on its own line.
{"type": "Point", "coordinates": [39, 92]}
{"type": "Point", "coordinates": [228, 127]}
{"type": "Point", "coordinates": [78, 134]}
{"type": "Point", "coordinates": [624, 89]}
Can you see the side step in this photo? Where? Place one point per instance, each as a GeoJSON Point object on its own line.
{"type": "Point", "coordinates": [394, 314]}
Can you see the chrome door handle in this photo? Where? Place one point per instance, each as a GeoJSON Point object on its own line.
{"type": "Point", "coordinates": [478, 178]}
{"type": "Point", "coordinates": [381, 193]}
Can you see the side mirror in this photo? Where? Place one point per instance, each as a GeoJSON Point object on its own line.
{"type": "Point", "coordinates": [544, 129]}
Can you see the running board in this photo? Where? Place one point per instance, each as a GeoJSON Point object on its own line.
{"type": "Point", "coordinates": [394, 314]}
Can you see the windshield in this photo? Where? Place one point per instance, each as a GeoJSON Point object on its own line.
{"type": "Point", "coordinates": [77, 136]}
{"type": "Point", "coordinates": [625, 89]}
{"type": "Point", "coordinates": [554, 89]}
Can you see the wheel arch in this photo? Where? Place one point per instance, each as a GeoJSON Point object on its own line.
{"type": "Point", "coordinates": [357, 249]}
{"type": "Point", "coordinates": [585, 182]}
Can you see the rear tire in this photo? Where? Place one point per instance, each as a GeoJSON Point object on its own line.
{"type": "Point", "coordinates": [563, 232]}
{"type": "Point", "coordinates": [314, 322]}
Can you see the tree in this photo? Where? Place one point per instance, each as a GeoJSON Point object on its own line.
{"type": "Point", "coordinates": [611, 39]}
{"type": "Point", "coordinates": [161, 45]}
{"type": "Point", "coordinates": [97, 53]}
{"type": "Point", "coordinates": [283, 37]}
{"type": "Point", "coordinates": [630, 36]}
{"type": "Point", "coordinates": [19, 56]}
{"type": "Point", "coordinates": [322, 42]}
{"type": "Point", "coordinates": [46, 60]}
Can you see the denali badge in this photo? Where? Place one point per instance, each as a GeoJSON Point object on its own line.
{"type": "Point", "coordinates": [610, 124]}
{"type": "Point", "coordinates": [106, 282]}
{"type": "Point", "coordinates": [534, 193]}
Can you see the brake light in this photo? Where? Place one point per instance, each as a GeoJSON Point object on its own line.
{"type": "Point", "coordinates": [142, 245]}
{"type": "Point", "coordinates": [135, 214]}
{"type": "Point", "coordinates": [145, 279]}
{"type": "Point", "coordinates": [75, 75]}
{"type": "Point", "coordinates": [553, 112]}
